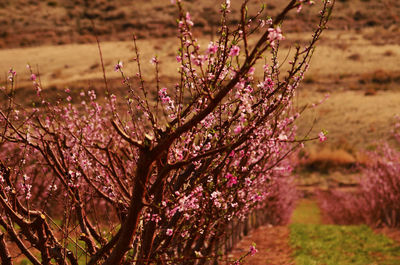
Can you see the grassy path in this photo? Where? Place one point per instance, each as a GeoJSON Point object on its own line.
{"type": "Point", "coordinates": [315, 243]}
{"type": "Point", "coordinates": [307, 241]}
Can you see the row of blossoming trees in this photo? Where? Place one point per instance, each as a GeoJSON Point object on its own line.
{"type": "Point", "coordinates": [157, 180]}
{"type": "Point", "coordinates": [376, 199]}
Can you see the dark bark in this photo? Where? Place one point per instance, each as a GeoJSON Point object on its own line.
{"type": "Point", "coordinates": [4, 253]}
{"type": "Point", "coordinates": [129, 226]}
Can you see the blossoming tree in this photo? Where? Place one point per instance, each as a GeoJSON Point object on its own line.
{"type": "Point", "coordinates": [160, 179]}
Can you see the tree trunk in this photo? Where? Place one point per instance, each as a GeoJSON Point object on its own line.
{"type": "Point", "coordinates": [130, 224]}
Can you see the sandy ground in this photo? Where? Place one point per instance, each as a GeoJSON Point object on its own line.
{"type": "Point", "coordinates": [72, 62]}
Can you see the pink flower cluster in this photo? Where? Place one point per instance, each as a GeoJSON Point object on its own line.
{"type": "Point", "coordinates": [375, 200]}
{"type": "Point", "coordinates": [275, 35]}
{"type": "Point", "coordinates": [11, 75]}
{"type": "Point", "coordinates": [253, 250]}
{"type": "Point", "coordinates": [231, 180]}
{"type": "Point", "coordinates": [118, 66]}
{"type": "Point", "coordinates": [234, 51]}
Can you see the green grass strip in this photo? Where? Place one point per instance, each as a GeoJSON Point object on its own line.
{"type": "Point", "coordinates": [335, 245]}
{"type": "Point", "coordinates": [315, 243]}
{"type": "Point", "coordinates": [307, 212]}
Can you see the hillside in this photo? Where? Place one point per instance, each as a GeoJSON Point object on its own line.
{"type": "Point", "coordinates": [27, 23]}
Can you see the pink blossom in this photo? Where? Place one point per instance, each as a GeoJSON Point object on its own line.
{"type": "Point", "coordinates": [251, 70]}
{"type": "Point", "coordinates": [275, 34]}
{"type": "Point", "coordinates": [33, 77]}
{"type": "Point", "coordinates": [299, 8]}
{"type": "Point", "coordinates": [238, 129]}
{"type": "Point", "coordinates": [282, 137]}
{"type": "Point", "coordinates": [189, 19]}
{"type": "Point", "coordinates": [28, 191]}
{"type": "Point", "coordinates": [235, 50]}
{"type": "Point", "coordinates": [12, 74]}
{"type": "Point", "coordinates": [248, 182]}
{"type": "Point", "coordinates": [322, 137]}
{"type": "Point", "coordinates": [184, 234]}
{"type": "Point", "coordinates": [268, 83]}
{"type": "Point", "coordinates": [232, 180]}
{"type": "Point", "coordinates": [26, 188]}
{"type": "Point", "coordinates": [92, 95]}
{"type": "Point", "coordinates": [169, 232]}
{"type": "Point", "coordinates": [215, 194]}
{"type": "Point", "coordinates": [253, 250]}
{"type": "Point", "coordinates": [212, 48]}
{"type": "Point", "coordinates": [118, 66]}
{"type": "Point", "coordinates": [154, 60]}
{"type": "Point", "coordinates": [199, 60]}
{"type": "Point", "coordinates": [162, 93]}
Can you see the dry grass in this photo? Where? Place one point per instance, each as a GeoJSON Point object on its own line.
{"type": "Point", "coordinates": [72, 62]}
{"type": "Point", "coordinates": [350, 117]}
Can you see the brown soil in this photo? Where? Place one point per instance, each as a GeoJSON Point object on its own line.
{"type": "Point", "coordinates": [272, 243]}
